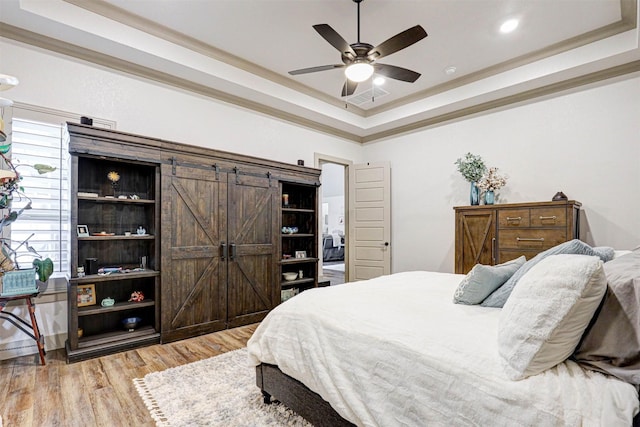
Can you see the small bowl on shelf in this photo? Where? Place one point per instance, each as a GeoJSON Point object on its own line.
{"type": "Point", "coordinates": [131, 323]}
{"type": "Point", "coordinates": [290, 276]}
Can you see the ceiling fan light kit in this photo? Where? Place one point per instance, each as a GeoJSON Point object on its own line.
{"type": "Point", "coordinates": [359, 59]}
{"type": "Point", "coordinates": [359, 71]}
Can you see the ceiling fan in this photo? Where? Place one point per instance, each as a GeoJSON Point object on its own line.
{"type": "Point", "coordinates": [359, 59]}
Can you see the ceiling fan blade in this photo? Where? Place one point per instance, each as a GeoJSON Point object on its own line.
{"type": "Point", "coordinates": [348, 88]}
{"type": "Point", "coordinates": [397, 42]}
{"type": "Point", "coordinates": [335, 39]}
{"type": "Point", "coordinates": [315, 69]}
{"type": "Point", "coordinates": [396, 73]}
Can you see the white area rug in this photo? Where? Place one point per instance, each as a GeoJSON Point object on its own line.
{"type": "Point", "coordinates": [335, 267]}
{"type": "Point", "coordinates": [219, 391]}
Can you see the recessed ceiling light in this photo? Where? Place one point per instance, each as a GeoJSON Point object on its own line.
{"type": "Point", "coordinates": [379, 81]}
{"type": "Point", "coordinates": [509, 25]}
{"type": "Point", "coordinates": [450, 70]}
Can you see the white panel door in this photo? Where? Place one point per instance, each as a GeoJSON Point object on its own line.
{"type": "Point", "coordinates": [369, 221]}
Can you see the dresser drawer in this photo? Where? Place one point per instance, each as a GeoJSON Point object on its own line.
{"type": "Point", "coordinates": [510, 254]}
{"type": "Point", "coordinates": [549, 217]}
{"type": "Point", "coordinates": [513, 218]}
{"type": "Point", "coordinates": [531, 239]}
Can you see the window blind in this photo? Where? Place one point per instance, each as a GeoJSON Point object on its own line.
{"type": "Point", "coordinates": [47, 223]}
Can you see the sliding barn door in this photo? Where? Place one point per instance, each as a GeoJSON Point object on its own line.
{"type": "Point", "coordinates": [252, 232]}
{"type": "Point", "coordinates": [194, 274]}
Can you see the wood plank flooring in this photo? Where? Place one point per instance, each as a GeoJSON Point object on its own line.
{"type": "Point", "coordinates": [98, 392]}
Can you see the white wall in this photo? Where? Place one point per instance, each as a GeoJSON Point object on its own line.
{"type": "Point", "coordinates": [586, 144]}
{"type": "Point", "coordinates": [145, 108]}
{"type": "Point", "coordinates": [336, 213]}
{"type": "Point", "coordinates": [333, 182]}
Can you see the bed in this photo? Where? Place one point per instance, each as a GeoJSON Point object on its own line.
{"type": "Point", "coordinates": [332, 247]}
{"type": "Point", "coordinates": [396, 350]}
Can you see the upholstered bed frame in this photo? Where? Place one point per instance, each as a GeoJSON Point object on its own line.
{"type": "Point", "coordinates": [306, 335]}
{"type": "Point", "coordinates": [275, 385]}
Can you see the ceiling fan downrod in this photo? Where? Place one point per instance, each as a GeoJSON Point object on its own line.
{"type": "Point", "coordinates": [358, 3]}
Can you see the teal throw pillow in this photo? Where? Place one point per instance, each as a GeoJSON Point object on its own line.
{"type": "Point", "coordinates": [482, 280]}
{"type": "Point", "coordinates": [575, 247]}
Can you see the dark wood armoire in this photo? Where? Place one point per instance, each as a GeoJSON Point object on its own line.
{"type": "Point", "coordinates": [215, 246]}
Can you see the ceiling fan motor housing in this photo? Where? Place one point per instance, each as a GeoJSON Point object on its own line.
{"type": "Point", "coordinates": [361, 50]}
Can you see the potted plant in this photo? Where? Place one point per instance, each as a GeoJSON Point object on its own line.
{"type": "Point", "coordinates": [14, 279]}
{"type": "Point", "coordinates": [472, 168]}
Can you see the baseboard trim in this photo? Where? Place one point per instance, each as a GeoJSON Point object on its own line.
{"type": "Point", "coordinates": [27, 346]}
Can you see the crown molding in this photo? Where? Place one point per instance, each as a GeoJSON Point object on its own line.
{"type": "Point", "coordinates": [628, 21]}
{"type": "Point", "coordinates": [550, 89]}
{"type": "Point", "coordinates": [124, 17]}
{"type": "Point", "coordinates": [91, 56]}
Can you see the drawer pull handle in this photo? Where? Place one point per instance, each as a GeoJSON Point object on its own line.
{"type": "Point", "coordinates": [542, 218]}
{"type": "Point", "coordinates": [530, 239]}
{"type": "Point", "coordinates": [514, 218]}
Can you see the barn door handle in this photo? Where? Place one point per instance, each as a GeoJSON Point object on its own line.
{"type": "Point", "coordinates": [225, 251]}
{"type": "Point", "coordinates": [234, 251]}
{"type": "Point", "coordinates": [493, 250]}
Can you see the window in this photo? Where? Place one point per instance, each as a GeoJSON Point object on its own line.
{"type": "Point", "coordinates": [39, 136]}
{"type": "Point", "coordinates": [46, 225]}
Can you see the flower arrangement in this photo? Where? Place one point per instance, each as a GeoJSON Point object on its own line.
{"type": "Point", "coordinates": [492, 180]}
{"type": "Point", "coordinates": [471, 167]}
{"type": "Point", "coordinates": [113, 176]}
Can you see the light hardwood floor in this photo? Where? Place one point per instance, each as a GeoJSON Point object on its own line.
{"type": "Point", "coordinates": [97, 392]}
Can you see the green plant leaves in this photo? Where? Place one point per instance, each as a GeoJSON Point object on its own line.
{"type": "Point", "coordinates": [44, 267]}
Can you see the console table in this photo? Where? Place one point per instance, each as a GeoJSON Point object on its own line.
{"type": "Point", "coordinates": [30, 329]}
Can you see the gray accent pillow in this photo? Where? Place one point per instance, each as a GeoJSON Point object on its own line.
{"type": "Point", "coordinates": [605, 253]}
{"type": "Point", "coordinates": [575, 247]}
{"type": "Point", "coordinates": [612, 341]}
{"type": "Point", "coordinates": [484, 279]}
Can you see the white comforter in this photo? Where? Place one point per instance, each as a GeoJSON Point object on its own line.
{"type": "Point", "coordinates": [395, 351]}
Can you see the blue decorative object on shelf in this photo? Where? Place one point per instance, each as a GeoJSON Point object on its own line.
{"type": "Point", "coordinates": [489, 197]}
{"type": "Point", "coordinates": [131, 323]}
{"type": "Point", "coordinates": [475, 194]}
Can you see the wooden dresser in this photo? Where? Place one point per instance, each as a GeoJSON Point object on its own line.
{"type": "Point", "coordinates": [493, 234]}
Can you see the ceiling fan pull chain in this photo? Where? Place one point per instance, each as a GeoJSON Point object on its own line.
{"type": "Point", "coordinates": [373, 91]}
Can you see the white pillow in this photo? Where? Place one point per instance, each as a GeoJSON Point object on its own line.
{"type": "Point", "coordinates": [544, 318]}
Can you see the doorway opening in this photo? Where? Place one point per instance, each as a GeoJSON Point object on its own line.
{"type": "Point", "coordinates": [334, 218]}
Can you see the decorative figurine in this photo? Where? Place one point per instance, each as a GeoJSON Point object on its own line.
{"type": "Point", "coordinates": [559, 196]}
{"type": "Point", "coordinates": [136, 296]}
{"type": "Point", "coordinates": [141, 231]}
{"type": "Point", "coordinates": [107, 302]}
